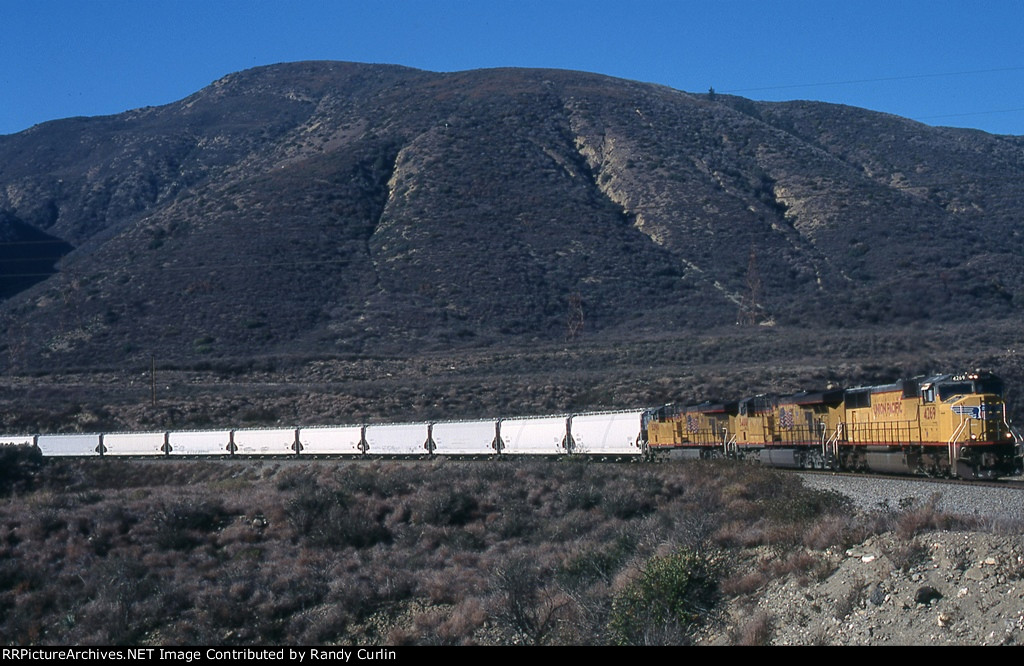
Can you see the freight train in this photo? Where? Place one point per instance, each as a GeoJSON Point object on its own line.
{"type": "Point", "coordinates": [944, 425]}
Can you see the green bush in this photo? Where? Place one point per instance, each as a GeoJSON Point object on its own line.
{"type": "Point", "coordinates": [669, 599]}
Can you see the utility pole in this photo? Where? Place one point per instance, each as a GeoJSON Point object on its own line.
{"type": "Point", "coordinates": [152, 377]}
{"type": "Point", "coordinates": [749, 306]}
{"type": "Point", "coordinates": [574, 324]}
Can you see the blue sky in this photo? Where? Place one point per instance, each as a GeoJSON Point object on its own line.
{"type": "Point", "coordinates": [941, 62]}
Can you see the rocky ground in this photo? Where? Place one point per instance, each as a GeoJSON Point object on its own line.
{"type": "Point", "coordinates": [948, 588]}
{"type": "Point", "coordinates": [957, 588]}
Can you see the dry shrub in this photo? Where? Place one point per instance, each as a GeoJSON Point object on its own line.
{"type": "Point", "coordinates": [182, 524]}
{"type": "Point", "coordinates": [740, 534]}
{"type": "Point", "coordinates": [795, 563]}
{"type": "Point", "coordinates": [294, 478]}
{"type": "Point", "coordinates": [757, 630]}
{"type": "Point", "coordinates": [426, 623]}
{"type": "Point", "coordinates": [19, 468]}
{"type": "Point", "coordinates": [597, 565]}
{"type": "Point", "coordinates": [580, 495]}
{"type": "Point", "coordinates": [330, 518]}
{"type": "Point", "coordinates": [735, 586]}
{"type": "Point", "coordinates": [401, 635]}
{"type": "Point", "coordinates": [906, 555]}
{"type": "Point", "coordinates": [450, 584]}
{"type": "Point", "coordinates": [743, 508]}
{"type": "Point", "coordinates": [784, 536]}
{"type": "Point", "coordinates": [526, 601]}
{"type": "Point", "coordinates": [626, 503]}
{"type": "Point", "coordinates": [444, 506]}
{"type": "Point", "coordinates": [43, 523]}
{"type": "Point", "coordinates": [516, 521]}
{"type": "Point", "coordinates": [921, 517]}
{"type": "Point", "coordinates": [463, 620]}
{"type": "Point", "coordinates": [826, 531]}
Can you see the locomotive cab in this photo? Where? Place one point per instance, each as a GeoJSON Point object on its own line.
{"type": "Point", "coordinates": [968, 413]}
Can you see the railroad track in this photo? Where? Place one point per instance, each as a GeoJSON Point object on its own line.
{"type": "Point", "coordinates": [1004, 482]}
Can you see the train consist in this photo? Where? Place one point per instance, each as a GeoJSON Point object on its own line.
{"type": "Point", "coordinates": [945, 425]}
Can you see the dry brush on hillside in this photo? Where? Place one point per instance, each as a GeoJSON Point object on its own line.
{"type": "Point", "coordinates": [440, 552]}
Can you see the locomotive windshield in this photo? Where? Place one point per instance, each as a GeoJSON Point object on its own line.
{"type": "Point", "coordinates": [991, 385]}
{"type": "Point", "coordinates": [947, 391]}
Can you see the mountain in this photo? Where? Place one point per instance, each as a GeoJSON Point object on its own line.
{"type": "Point", "coordinates": [325, 207]}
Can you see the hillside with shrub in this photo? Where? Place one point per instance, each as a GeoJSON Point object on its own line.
{"type": "Point", "coordinates": [336, 208]}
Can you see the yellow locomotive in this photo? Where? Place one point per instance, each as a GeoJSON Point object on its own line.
{"type": "Point", "coordinates": [944, 425]}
